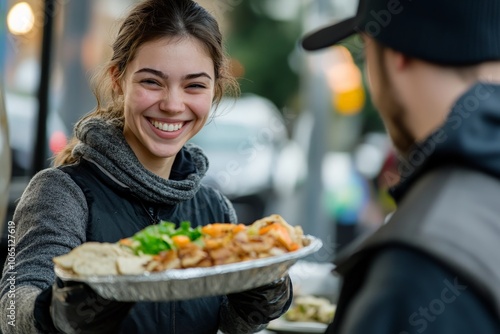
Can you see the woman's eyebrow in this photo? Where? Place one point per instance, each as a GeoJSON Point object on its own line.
{"type": "Point", "coordinates": [165, 76]}
{"type": "Point", "coordinates": [197, 75]}
{"type": "Point", "coordinates": [152, 71]}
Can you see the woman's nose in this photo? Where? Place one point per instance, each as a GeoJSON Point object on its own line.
{"type": "Point", "coordinates": [172, 101]}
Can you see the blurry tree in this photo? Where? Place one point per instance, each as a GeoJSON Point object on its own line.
{"type": "Point", "coordinates": [263, 45]}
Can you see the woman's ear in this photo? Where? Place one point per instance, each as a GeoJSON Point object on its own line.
{"type": "Point", "coordinates": [115, 80]}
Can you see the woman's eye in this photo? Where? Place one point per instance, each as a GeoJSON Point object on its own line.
{"type": "Point", "coordinates": [150, 82]}
{"type": "Point", "coordinates": [196, 86]}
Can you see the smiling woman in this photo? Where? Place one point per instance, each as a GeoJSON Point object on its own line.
{"type": "Point", "coordinates": [128, 167]}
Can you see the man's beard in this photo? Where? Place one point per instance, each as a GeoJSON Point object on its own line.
{"type": "Point", "coordinates": [392, 111]}
{"type": "Point", "coordinates": [397, 128]}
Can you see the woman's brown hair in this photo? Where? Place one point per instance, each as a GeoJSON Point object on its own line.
{"type": "Point", "coordinates": [147, 21]}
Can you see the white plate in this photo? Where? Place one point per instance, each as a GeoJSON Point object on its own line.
{"type": "Point", "coordinates": [281, 325]}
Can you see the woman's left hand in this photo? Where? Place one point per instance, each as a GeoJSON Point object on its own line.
{"type": "Point", "coordinates": [263, 304]}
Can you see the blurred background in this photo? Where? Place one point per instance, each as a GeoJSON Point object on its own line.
{"type": "Point", "coordinates": [303, 140]}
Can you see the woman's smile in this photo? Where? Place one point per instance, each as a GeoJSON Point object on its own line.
{"type": "Point", "coordinates": [165, 126]}
{"type": "Point", "coordinates": [167, 129]}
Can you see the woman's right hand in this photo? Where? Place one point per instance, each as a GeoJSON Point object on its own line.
{"type": "Point", "coordinates": [76, 308]}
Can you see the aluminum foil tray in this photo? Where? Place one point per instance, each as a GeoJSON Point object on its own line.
{"type": "Point", "coordinates": [182, 284]}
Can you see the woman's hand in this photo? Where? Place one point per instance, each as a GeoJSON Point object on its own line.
{"type": "Point", "coordinates": [263, 304]}
{"type": "Point", "coordinates": [76, 308]}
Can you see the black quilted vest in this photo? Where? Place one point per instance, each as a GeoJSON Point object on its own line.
{"type": "Point", "coordinates": [115, 212]}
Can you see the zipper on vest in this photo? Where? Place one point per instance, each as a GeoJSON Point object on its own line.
{"type": "Point", "coordinates": [152, 213]}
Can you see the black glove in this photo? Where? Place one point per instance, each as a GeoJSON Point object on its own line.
{"type": "Point", "coordinates": [73, 307]}
{"type": "Point", "coordinates": [263, 304]}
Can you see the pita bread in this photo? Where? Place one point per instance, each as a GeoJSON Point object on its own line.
{"type": "Point", "coordinates": [93, 258]}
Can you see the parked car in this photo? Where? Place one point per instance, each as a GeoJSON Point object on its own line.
{"type": "Point", "coordinates": [252, 159]}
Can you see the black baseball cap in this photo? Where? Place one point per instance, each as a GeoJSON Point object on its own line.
{"type": "Point", "coordinates": [454, 32]}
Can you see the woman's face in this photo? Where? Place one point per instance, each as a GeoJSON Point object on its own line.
{"type": "Point", "coordinates": [168, 90]}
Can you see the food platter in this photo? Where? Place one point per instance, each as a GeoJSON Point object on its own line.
{"type": "Point", "coordinates": [181, 284]}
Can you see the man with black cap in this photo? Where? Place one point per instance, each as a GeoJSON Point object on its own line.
{"type": "Point", "coordinates": [434, 73]}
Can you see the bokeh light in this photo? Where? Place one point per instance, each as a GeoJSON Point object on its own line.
{"type": "Point", "coordinates": [20, 19]}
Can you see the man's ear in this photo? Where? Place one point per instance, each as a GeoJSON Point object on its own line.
{"type": "Point", "coordinates": [115, 81]}
{"type": "Point", "coordinates": [399, 60]}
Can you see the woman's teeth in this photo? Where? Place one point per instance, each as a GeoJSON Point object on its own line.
{"type": "Point", "coordinates": [166, 126]}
